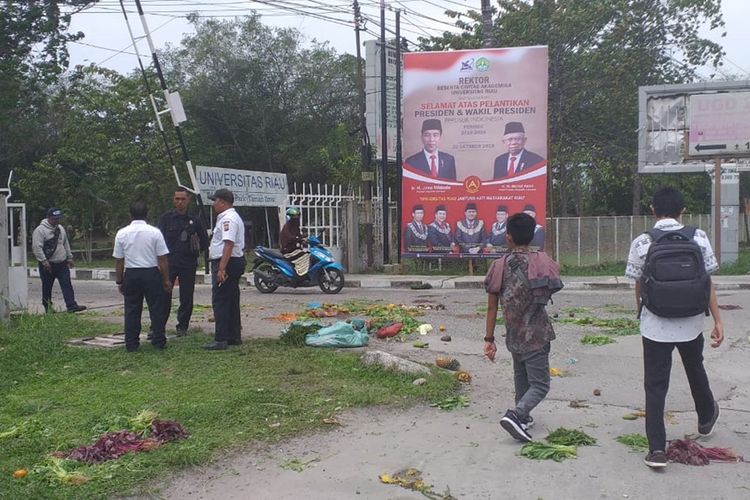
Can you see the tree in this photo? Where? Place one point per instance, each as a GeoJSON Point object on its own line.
{"type": "Point", "coordinates": [33, 38]}
{"type": "Point", "coordinates": [257, 99]}
{"type": "Point", "coordinates": [599, 52]}
{"type": "Point", "coordinates": [107, 154]}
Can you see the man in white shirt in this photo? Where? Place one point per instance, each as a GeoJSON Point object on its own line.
{"type": "Point", "coordinates": [660, 335]}
{"type": "Point", "coordinates": [142, 271]}
{"type": "Point", "coordinates": [227, 255]}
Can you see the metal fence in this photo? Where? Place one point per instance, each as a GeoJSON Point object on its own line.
{"type": "Point", "coordinates": [583, 241]}
{"type": "Point", "coordinates": [321, 207]}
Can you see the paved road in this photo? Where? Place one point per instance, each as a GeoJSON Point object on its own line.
{"type": "Point", "coordinates": [466, 450]}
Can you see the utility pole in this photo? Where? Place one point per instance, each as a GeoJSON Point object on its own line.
{"type": "Point", "coordinates": [174, 109]}
{"type": "Point", "coordinates": [384, 134]}
{"type": "Point", "coordinates": [398, 133]}
{"type": "Point", "coordinates": [488, 39]}
{"type": "Point", "coordinates": [364, 148]}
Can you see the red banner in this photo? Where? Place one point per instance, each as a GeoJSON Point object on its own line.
{"type": "Point", "coordinates": [475, 148]}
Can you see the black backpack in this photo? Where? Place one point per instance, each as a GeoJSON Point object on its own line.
{"type": "Point", "coordinates": [675, 283]}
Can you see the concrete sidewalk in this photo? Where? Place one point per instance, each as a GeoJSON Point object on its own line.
{"type": "Point", "coordinates": [737, 282]}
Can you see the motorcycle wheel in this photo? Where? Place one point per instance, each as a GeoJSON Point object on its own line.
{"type": "Point", "coordinates": [331, 280]}
{"type": "Point", "coordinates": [263, 285]}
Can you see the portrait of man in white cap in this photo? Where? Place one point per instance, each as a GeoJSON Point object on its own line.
{"type": "Point", "coordinates": [518, 158]}
{"type": "Point", "coordinates": [430, 161]}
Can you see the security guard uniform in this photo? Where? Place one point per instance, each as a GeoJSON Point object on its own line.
{"type": "Point", "coordinates": [141, 245]}
{"type": "Point", "coordinates": [226, 295]}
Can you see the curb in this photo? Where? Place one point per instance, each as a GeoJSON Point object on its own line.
{"type": "Point", "coordinates": [405, 283]}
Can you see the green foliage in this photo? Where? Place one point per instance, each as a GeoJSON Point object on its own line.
{"type": "Point", "coordinates": [596, 339]}
{"type": "Point", "coordinates": [570, 437]}
{"type": "Point", "coordinates": [538, 450]}
{"type": "Point", "coordinates": [61, 397]}
{"type": "Point", "coordinates": [636, 442]}
{"type": "Point", "coordinates": [452, 403]}
{"type": "Point", "coordinates": [33, 38]}
{"type": "Point", "coordinates": [599, 53]}
{"type": "Point", "coordinates": [259, 99]}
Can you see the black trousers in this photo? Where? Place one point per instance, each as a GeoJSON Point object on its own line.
{"type": "Point", "coordinates": [225, 298]}
{"type": "Point", "coordinates": [187, 289]}
{"type": "Point", "coordinates": [138, 284]}
{"type": "Point", "coordinates": [61, 272]}
{"type": "Point", "coordinates": [657, 365]}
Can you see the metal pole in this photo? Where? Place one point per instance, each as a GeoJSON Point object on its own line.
{"type": "Point", "coordinates": [488, 39]}
{"type": "Point", "coordinates": [4, 261]}
{"type": "Point", "coordinates": [177, 129]}
{"type": "Point", "coordinates": [365, 144]}
{"type": "Point", "coordinates": [384, 134]}
{"type": "Point", "coordinates": [717, 209]}
{"type": "Point", "coordinates": [399, 213]}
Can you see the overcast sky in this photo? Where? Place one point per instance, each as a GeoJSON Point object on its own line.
{"type": "Point", "coordinates": [106, 31]}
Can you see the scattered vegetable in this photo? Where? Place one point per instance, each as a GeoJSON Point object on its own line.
{"type": "Point", "coordinates": [463, 376]}
{"type": "Point", "coordinates": [636, 442]}
{"type": "Point", "coordinates": [141, 423]}
{"type": "Point", "coordinates": [596, 340]}
{"type": "Point", "coordinates": [448, 363]}
{"type": "Point", "coordinates": [578, 403]}
{"type": "Point", "coordinates": [452, 403]}
{"type": "Point", "coordinates": [296, 464]}
{"type": "Point", "coordinates": [20, 473]}
{"type": "Point", "coordinates": [389, 331]}
{"type": "Point", "coordinates": [688, 452]}
{"type": "Point", "coordinates": [295, 333]}
{"type": "Point", "coordinates": [411, 479]}
{"type": "Point", "coordinates": [15, 431]}
{"type": "Point", "coordinates": [54, 469]}
{"type": "Point", "coordinates": [538, 450]}
{"type": "Point", "coordinates": [570, 437]}
{"type": "Point", "coordinates": [616, 326]}
{"type": "Point", "coordinates": [445, 338]}
{"type": "Point", "coordinates": [557, 372]}
{"type": "Point", "coordinates": [421, 345]}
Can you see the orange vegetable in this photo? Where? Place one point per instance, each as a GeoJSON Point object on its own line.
{"type": "Point", "coordinates": [20, 473]}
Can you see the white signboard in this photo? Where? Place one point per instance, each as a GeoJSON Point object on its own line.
{"type": "Point", "coordinates": [719, 124]}
{"type": "Point", "coordinates": [251, 189]}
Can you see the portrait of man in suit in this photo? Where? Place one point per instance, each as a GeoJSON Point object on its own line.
{"type": "Point", "coordinates": [440, 235]}
{"type": "Point", "coordinates": [415, 234]}
{"type": "Point", "coordinates": [430, 161]}
{"type": "Point", "coordinates": [538, 240]}
{"type": "Point", "coordinates": [518, 158]}
{"type": "Point", "coordinates": [498, 231]}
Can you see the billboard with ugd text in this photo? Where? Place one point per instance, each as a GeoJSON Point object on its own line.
{"type": "Point", "coordinates": [474, 148]}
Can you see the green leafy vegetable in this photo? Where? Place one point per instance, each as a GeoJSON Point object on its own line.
{"type": "Point", "coordinates": [636, 442]}
{"type": "Point", "coordinates": [538, 450]}
{"type": "Point", "coordinates": [570, 437]}
{"type": "Point", "coordinates": [452, 403]}
{"type": "Point", "coordinates": [596, 340]}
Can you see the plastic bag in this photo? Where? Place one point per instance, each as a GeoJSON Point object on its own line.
{"type": "Point", "coordinates": [339, 334]}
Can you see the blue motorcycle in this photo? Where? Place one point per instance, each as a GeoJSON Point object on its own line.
{"type": "Point", "coordinates": [272, 269]}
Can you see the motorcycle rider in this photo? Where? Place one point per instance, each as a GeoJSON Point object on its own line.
{"type": "Point", "coordinates": [291, 241]}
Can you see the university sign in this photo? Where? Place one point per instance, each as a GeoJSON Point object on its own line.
{"type": "Point", "coordinates": [250, 188]}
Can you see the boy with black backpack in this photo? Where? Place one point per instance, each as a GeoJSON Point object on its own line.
{"type": "Point", "coordinates": [671, 265]}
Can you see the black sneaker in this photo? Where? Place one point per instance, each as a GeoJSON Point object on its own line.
{"type": "Point", "coordinates": [656, 459]}
{"type": "Point", "coordinates": [76, 308]}
{"type": "Point", "coordinates": [706, 429]}
{"type": "Point", "coordinates": [216, 346]}
{"type": "Point", "coordinates": [528, 422]}
{"type": "Point", "coordinates": [515, 427]}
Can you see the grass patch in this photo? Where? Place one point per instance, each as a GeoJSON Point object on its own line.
{"type": "Point", "coordinates": [574, 310]}
{"type": "Point", "coordinates": [64, 397]}
{"type": "Point", "coordinates": [570, 437]}
{"type": "Point", "coordinates": [618, 309]}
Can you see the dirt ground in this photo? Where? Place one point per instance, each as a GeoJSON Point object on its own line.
{"type": "Point", "coordinates": [466, 451]}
